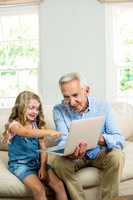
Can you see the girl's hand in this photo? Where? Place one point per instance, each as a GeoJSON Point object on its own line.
{"type": "Point", "coordinates": [5, 138]}
{"type": "Point", "coordinates": [8, 135]}
{"type": "Point", "coordinates": [53, 133]}
{"type": "Point", "coordinates": [42, 174]}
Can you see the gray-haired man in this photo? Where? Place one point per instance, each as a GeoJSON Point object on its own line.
{"type": "Point", "coordinates": [107, 155]}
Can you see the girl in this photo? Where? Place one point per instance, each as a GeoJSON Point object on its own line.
{"type": "Point", "coordinates": [26, 131]}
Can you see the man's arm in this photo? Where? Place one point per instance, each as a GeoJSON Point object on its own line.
{"type": "Point", "coordinates": [111, 133]}
{"type": "Point", "coordinates": [63, 126]}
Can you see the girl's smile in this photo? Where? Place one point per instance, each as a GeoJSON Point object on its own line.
{"type": "Point", "coordinates": [32, 110]}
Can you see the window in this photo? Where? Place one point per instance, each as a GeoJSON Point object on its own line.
{"type": "Point", "coordinates": [119, 39]}
{"type": "Point", "coordinates": [19, 52]}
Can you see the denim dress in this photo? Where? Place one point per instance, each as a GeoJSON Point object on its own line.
{"type": "Point", "coordinates": [24, 158]}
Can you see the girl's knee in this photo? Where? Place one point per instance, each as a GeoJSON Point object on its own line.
{"type": "Point", "coordinates": [38, 190]}
{"type": "Point", "coordinates": [59, 186]}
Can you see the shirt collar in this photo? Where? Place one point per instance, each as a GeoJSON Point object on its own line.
{"type": "Point", "coordinates": [91, 101]}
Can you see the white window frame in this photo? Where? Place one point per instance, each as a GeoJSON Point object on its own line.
{"type": "Point", "coordinates": [111, 69]}
{"type": "Point", "coordinates": [18, 10]}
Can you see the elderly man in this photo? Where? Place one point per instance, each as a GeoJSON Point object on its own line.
{"type": "Point", "coordinates": [107, 155]}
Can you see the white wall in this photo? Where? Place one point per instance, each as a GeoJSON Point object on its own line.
{"type": "Point", "coordinates": [72, 38]}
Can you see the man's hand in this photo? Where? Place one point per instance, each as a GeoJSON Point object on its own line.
{"type": "Point", "coordinates": [101, 140]}
{"type": "Point", "coordinates": [79, 151]}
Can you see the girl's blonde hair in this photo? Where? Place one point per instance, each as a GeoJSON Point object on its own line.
{"type": "Point", "coordinates": [19, 109]}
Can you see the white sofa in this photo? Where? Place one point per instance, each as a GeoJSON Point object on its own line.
{"type": "Point", "coordinates": [12, 189]}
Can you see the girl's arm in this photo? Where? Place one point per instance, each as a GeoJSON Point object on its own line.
{"type": "Point", "coordinates": [42, 173]}
{"type": "Point", "coordinates": [18, 129]}
{"type": "Point", "coordinates": [43, 154]}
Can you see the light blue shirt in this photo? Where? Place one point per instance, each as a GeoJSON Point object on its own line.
{"type": "Point", "coordinates": [63, 115]}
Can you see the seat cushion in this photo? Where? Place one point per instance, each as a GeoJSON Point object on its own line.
{"type": "Point", "coordinates": [4, 114]}
{"type": "Point", "coordinates": [10, 185]}
{"type": "Point", "coordinates": [128, 167]}
{"type": "Point", "coordinates": [90, 176]}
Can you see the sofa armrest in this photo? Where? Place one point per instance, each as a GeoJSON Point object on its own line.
{"type": "Point", "coordinates": [124, 116]}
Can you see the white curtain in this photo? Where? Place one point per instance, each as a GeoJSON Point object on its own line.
{"type": "Point", "coordinates": [17, 2]}
{"type": "Point", "coordinates": [114, 1]}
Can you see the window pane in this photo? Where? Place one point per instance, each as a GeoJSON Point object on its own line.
{"type": "Point", "coordinates": [8, 79]}
{"type": "Point", "coordinates": [6, 102]}
{"type": "Point", "coordinates": [14, 82]}
{"type": "Point", "coordinates": [28, 80]}
{"type": "Point", "coordinates": [18, 27]}
{"type": "Point", "coordinates": [12, 31]}
{"type": "Point", "coordinates": [19, 52]}
{"type": "Point", "coordinates": [123, 35]}
{"type": "Point", "coordinates": [125, 80]}
{"type": "Point", "coordinates": [29, 26]}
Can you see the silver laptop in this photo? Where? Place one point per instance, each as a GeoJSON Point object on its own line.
{"type": "Point", "coordinates": [87, 130]}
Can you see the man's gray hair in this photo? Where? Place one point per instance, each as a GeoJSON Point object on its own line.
{"type": "Point", "coordinates": [72, 76]}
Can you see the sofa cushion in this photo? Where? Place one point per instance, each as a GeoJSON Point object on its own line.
{"type": "Point", "coordinates": [123, 112]}
{"type": "Point", "coordinates": [124, 117]}
{"type": "Point", "coordinates": [88, 176]}
{"type": "Point", "coordinates": [4, 115]}
{"type": "Point", "coordinates": [128, 168]}
{"type": "Point", "coordinates": [91, 176]}
{"type": "Point", "coordinates": [48, 114]}
{"type": "Point", "coordinates": [10, 185]}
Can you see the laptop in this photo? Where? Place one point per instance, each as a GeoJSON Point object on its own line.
{"type": "Point", "coordinates": [87, 130]}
